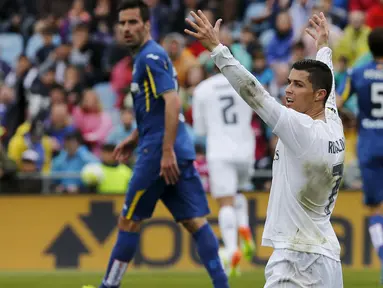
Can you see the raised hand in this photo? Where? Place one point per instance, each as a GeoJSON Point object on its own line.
{"type": "Point", "coordinates": [206, 33]}
{"type": "Point", "coordinates": [319, 30]}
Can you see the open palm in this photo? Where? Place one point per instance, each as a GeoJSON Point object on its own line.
{"type": "Point", "coordinates": [319, 30]}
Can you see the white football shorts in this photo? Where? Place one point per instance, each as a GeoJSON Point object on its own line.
{"type": "Point", "coordinates": [293, 269]}
{"type": "Point", "coordinates": [227, 177]}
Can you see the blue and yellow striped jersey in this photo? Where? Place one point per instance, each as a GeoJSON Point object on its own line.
{"type": "Point", "coordinates": [154, 75]}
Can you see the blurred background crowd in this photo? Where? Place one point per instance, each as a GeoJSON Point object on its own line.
{"type": "Point", "coordinates": [65, 77]}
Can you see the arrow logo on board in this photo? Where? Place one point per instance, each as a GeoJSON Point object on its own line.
{"type": "Point", "coordinates": [67, 248]}
{"type": "Point", "coordinates": [101, 220]}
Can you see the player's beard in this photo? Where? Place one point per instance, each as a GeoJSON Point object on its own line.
{"type": "Point", "coordinates": [135, 47]}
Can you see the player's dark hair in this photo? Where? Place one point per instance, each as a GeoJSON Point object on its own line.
{"type": "Point", "coordinates": [375, 42]}
{"type": "Point", "coordinates": [320, 75]}
{"type": "Point", "coordinates": [132, 4]}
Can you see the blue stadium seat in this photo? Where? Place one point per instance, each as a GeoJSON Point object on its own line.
{"type": "Point", "coordinates": [36, 42]}
{"type": "Point", "coordinates": [106, 95]}
{"type": "Point", "coordinates": [11, 47]}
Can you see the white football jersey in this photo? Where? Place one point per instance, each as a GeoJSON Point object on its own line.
{"type": "Point", "coordinates": [221, 114]}
{"type": "Point", "coordinates": [307, 167]}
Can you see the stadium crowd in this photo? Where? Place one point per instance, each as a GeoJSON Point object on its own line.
{"type": "Point", "coordinates": [65, 78]}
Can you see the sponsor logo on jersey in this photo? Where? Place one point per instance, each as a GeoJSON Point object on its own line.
{"type": "Point", "coordinates": [152, 56]}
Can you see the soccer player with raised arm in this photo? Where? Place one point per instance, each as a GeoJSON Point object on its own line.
{"type": "Point", "coordinates": [221, 114]}
{"type": "Point", "coordinates": [367, 82]}
{"type": "Point", "coordinates": [164, 169]}
{"type": "Point", "coordinates": [308, 162]}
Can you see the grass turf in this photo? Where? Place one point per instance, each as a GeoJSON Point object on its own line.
{"type": "Point", "coordinates": [160, 279]}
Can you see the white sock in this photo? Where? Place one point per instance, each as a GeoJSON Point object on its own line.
{"type": "Point", "coordinates": [228, 226]}
{"type": "Point", "coordinates": [241, 210]}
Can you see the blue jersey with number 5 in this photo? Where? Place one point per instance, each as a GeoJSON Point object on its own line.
{"type": "Point", "coordinates": [154, 75]}
{"type": "Point", "coordinates": [367, 82]}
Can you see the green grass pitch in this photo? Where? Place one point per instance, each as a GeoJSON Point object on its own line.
{"type": "Point", "coordinates": [160, 279]}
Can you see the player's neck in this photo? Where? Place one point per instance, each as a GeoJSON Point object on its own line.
{"type": "Point", "coordinates": [146, 39]}
{"type": "Point", "coordinates": [316, 114]}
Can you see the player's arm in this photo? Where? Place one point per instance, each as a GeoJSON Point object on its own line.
{"type": "Point", "coordinates": [319, 31]}
{"type": "Point", "coordinates": [294, 129]}
{"type": "Point", "coordinates": [246, 85]}
{"type": "Point", "coordinates": [172, 111]}
{"type": "Point", "coordinates": [162, 84]}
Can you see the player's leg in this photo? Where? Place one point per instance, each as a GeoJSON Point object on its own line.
{"type": "Point", "coordinates": [139, 205]}
{"type": "Point", "coordinates": [242, 211]}
{"type": "Point", "coordinates": [188, 204]}
{"type": "Point", "coordinates": [371, 173]}
{"type": "Point", "coordinates": [223, 184]}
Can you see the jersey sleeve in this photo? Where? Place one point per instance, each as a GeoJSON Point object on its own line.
{"type": "Point", "coordinates": [346, 89]}
{"type": "Point", "coordinates": [159, 72]}
{"type": "Point", "coordinates": [198, 109]}
{"type": "Point", "coordinates": [325, 55]}
{"type": "Point", "coordinates": [293, 128]}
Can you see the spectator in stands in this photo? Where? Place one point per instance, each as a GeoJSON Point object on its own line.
{"type": "Point", "coordinates": [58, 60]}
{"type": "Point", "coordinates": [8, 169]}
{"type": "Point", "coordinates": [29, 183]}
{"type": "Point", "coordinates": [361, 5]}
{"type": "Point", "coordinates": [16, 103]}
{"type": "Point", "coordinates": [278, 84]}
{"type": "Point", "coordinates": [300, 13]}
{"type": "Point", "coordinates": [125, 128]}
{"type": "Point", "coordinates": [298, 52]}
{"type": "Point", "coordinates": [260, 69]}
{"type": "Point", "coordinates": [115, 51]}
{"type": "Point", "coordinates": [121, 78]}
{"type": "Point", "coordinates": [58, 95]}
{"type": "Point", "coordinates": [30, 136]}
{"type": "Point", "coordinates": [354, 42]}
{"type": "Point", "coordinates": [104, 11]}
{"type": "Point", "coordinates": [87, 55]}
{"type": "Point", "coordinates": [102, 33]}
{"type": "Point", "coordinates": [76, 15]}
{"type": "Point", "coordinates": [39, 93]}
{"type": "Point", "coordinates": [374, 17]}
{"type": "Point", "coordinates": [93, 123]}
{"type": "Point", "coordinates": [58, 125]}
{"type": "Point", "coordinates": [335, 33]}
{"type": "Point", "coordinates": [73, 86]}
{"type": "Point", "coordinates": [42, 54]}
{"type": "Point", "coordinates": [279, 48]}
{"type": "Point", "coordinates": [193, 77]}
{"type": "Point", "coordinates": [71, 160]}
{"type": "Point", "coordinates": [182, 58]}
{"type": "Point", "coordinates": [240, 50]}
{"type": "Point", "coordinates": [116, 176]}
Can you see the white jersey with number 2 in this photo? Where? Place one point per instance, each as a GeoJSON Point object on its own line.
{"type": "Point", "coordinates": [221, 114]}
{"type": "Point", "coordinates": [307, 167]}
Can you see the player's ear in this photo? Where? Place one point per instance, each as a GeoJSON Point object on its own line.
{"type": "Point", "coordinates": [320, 95]}
{"type": "Point", "coordinates": [147, 26]}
